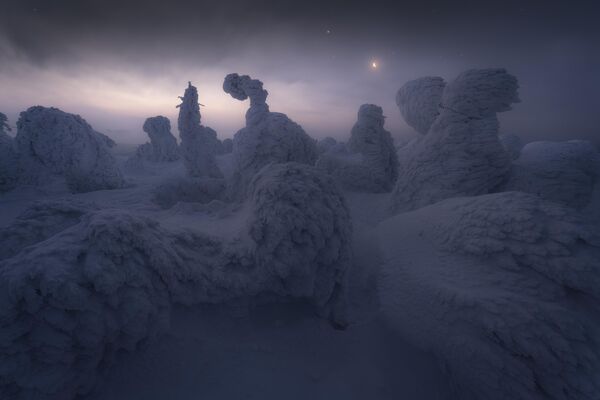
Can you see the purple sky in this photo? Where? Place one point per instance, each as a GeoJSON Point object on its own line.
{"type": "Point", "coordinates": [118, 62]}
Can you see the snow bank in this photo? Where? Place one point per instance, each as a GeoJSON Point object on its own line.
{"type": "Point", "coordinates": [198, 143]}
{"type": "Point", "coordinates": [267, 138]}
{"type": "Point", "coordinates": [50, 141]}
{"type": "Point", "coordinates": [419, 101]}
{"type": "Point", "coordinates": [78, 285]}
{"type": "Point", "coordinates": [504, 289]}
{"type": "Point", "coordinates": [564, 172]}
{"type": "Point", "coordinates": [461, 155]}
{"type": "Point", "coordinates": [371, 163]}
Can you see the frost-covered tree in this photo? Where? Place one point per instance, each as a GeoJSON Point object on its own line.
{"type": "Point", "coordinates": [461, 154]}
{"type": "Point", "coordinates": [88, 283]}
{"type": "Point", "coordinates": [162, 146]}
{"type": "Point", "coordinates": [268, 137]}
{"type": "Point", "coordinates": [419, 101]}
{"type": "Point", "coordinates": [512, 144]}
{"type": "Point", "coordinates": [52, 142]}
{"type": "Point", "coordinates": [198, 143]}
{"type": "Point", "coordinates": [504, 289]}
{"type": "Point", "coordinates": [564, 172]}
{"type": "Point", "coordinates": [8, 157]}
{"type": "Point", "coordinates": [370, 163]}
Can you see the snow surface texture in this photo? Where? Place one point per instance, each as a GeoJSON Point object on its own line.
{"type": "Point", "coordinates": [564, 172]}
{"type": "Point", "coordinates": [461, 154]}
{"type": "Point", "coordinates": [189, 190]}
{"type": "Point", "coordinates": [8, 157]}
{"type": "Point", "coordinates": [52, 142]}
{"type": "Point", "coordinates": [199, 144]}
{"type": "Point", "coordinates": [504, 289]}
{"type": "Point", "coordinates": [267, 138]}
{"type": "Point", "coordinates": [512, 144]}
{"type": "Point", "coordinates": [419, 101]}
{"type": "Point", "coordinates": [371, 163]}
{"type": "Point", "coordinates": [78, 285]}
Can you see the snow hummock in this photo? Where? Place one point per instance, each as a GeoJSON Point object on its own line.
{"type": "Point", "coordinates": [268, 137]}
{"type": "Point", "coordinates": [52, 142]}
{"type": "Point", "coordinates": [503, 289]}
{"type": "Point", "coordinates": [461, 154]}
{"type": "Point", "coordinates": [370, 163]}
{"type": "Point", "coordinates": [564, 172]}
{"type": "Point", "coordinates": [78, 284]}
{"type": "Point", "coordinates": [419, 101]}
{"type": "Point", "coordinates": [198, 143]}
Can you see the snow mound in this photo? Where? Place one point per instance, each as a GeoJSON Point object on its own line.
{"type": "Point", "coordinates": [50, 141]}
{"type": "Point", "coordinates": [199, 144]}
{"type": "Point", "coordinates": [564, 172]}
{"type": "Point", "coordinates": [267, 138]}
{"type": "Point", "coordinates": [419, 101]}
{"type": "Point", "coordinates": [8, 157]}
{"type": "Point", "coordinates": [504, 289]}
{"type": "Point", "coordinates": [371, 163]}
{"type": "Point", "coordinates": [512, 144]}
{"type": "Point", "coordinates": [461, 155]}
{"type": "Point", "coordinates": [93, 283]}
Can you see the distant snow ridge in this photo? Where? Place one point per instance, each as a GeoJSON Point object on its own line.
{"type": "Point", "coordinates": [50, 141]}
{"type": "Point", "coordinates": [267, 138]}
{"type": "Point", "coordinates": [564, 172]}
{"type": "Point", "coordinates": [504, 289]}
{"type": "Point", "coordinates": [80, 285]}
{"type": "Point", "coordinates": [199, 144]}
{"type": "Point", "coordinates": [419, 101]}
{"type": "Point", "coordinates": [371, 163]}
{"type": "Point", "coordinates": [461, 154]}
{"type": "Point", "coordinates": [8, 157]}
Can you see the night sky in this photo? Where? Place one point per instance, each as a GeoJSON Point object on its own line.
{"type": "Point", "coordinates": [116, 62]}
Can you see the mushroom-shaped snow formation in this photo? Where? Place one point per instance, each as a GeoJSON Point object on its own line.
{"type": "Point", "coordinates": [504, 289]}
{"type": "Point", "coordinates": [90, 283]}
{"type": "Point", "coordinates": [8, 157]}
{"type": "Point", "coordinates": [563, 172]}
{"type": "Point", "coordinates": [198, 143]}
{"type": "Point", "coordinates": [50, 141]}
{"type": "Point", "coordinates": [371, 163]}
{"type": "Point", "coordinates": [461, 155]}
{"type": "Point", "coordinates": [267, 138]}
{"type": "Point", "coordinates": [419, 101]}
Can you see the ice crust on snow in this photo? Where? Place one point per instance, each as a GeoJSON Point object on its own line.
{"type": "Point", "coordinates": [419, 101]}
{"type": "Point", "coordinates": [52, 142]}
{"type": "Point", "coordinates": [81, 284]}
{"type": "Point", "coordinates": [503, 289]}
{"type": "Point", "coordinates": [370, 163]}
{"type": "Point", "coordinates": [564, 172]}
{"type": "Point", "coordinates": [199, 143]}
{"type": "Point", "coordinates": [268, 137]}
{"type": "Point", "coordinates": [461, 154]}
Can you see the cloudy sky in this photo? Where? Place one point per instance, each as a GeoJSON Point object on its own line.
{"type": "Point", "coordinates": [116, 62]}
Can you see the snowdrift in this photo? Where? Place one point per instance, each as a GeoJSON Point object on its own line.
{"type": "Point", "coordinates": [504, 289]}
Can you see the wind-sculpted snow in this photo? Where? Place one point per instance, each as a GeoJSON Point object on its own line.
{"type": "Point", "coordinates": [419, 101]}
{"type": "Point", "coordinates": [82, 285]}
{"type": "Point", "coordinates": [8, 157]}
{"type": "Point", "coordinates": [512, 144]}
{"type": "Point", "coordinates": [461, 154]}
{"type": "Point", "coordinates": [504, 289]}
{"type": "Point", "coordinates": [267, 138]}
{"type": "Point", "coordinates": [52, 142]}
{"type": "Point", "coordinates": [199, 143]}
{"type": "Point", "coordinates": [371, 163]}
{"type": "Point", "coordinates": [564, 172]}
